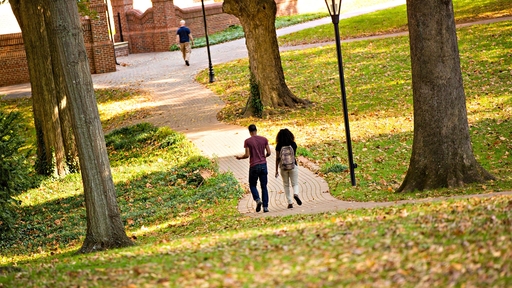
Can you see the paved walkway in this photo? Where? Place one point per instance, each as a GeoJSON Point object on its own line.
{"type": "Point", "coordinates": [186, 106]}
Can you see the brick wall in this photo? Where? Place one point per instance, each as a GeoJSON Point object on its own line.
{"type": "Point", "coordinates": [121, 49]}
{"type": "Point", "coordinates": [13, 60]}
{"type": "Point", "coordinates": [103, 55]}
{"type": "Point", "coordinates": [137, 31]}
{"type": "Point", "coordinates": [155, 29]}
{"type": "Point", "coordinates": [100, 51]}
{"type": "Point", "coordinates": [216, 19]}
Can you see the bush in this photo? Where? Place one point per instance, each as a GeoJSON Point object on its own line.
{"type": "Point", "coordinates": [14, 169]}
{"type": "Point", "coordinates": [333, 167]}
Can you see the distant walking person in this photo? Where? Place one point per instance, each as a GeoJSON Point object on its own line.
{"type": "Point", "coordinates": [257, 150]}
{"type": "Point", "coordinates": [184, 39]}
{"type": "Point", "coordinates": [286, 149]}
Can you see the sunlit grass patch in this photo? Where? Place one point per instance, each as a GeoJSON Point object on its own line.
{"type": "Point", "coordinates": [120, 107]}
{"type": "Point", "coordinates": [394, 20]}
{"type": "Point", "coordinates": [379, 96]}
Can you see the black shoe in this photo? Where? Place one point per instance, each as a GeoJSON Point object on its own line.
{"type": "Point", "coordinates": [186, 63]}
{"type": "Point", "coordinates": [296, 197]}
{"type": "Point", "coordinates": [290, 206]}
{"type": "Point", "coordinates": [258, 206]}
{"type": "Point", "coordinates": [265, 209]}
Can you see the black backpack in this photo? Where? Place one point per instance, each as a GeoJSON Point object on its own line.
{"type": "Point", "coordinates": [287, 158]}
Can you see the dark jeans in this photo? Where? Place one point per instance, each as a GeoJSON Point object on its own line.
{"type": "Point", "coordinates": [259, 172]}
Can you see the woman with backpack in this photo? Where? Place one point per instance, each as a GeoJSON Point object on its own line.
{"type": "Point", "coordinates": [286, 149]}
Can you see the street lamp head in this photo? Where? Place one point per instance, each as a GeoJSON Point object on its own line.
{"type": "Point", "coordinates": [333, 6]}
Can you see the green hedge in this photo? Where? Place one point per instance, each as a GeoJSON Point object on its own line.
{"type": "Point", "coordinates": [14, 170]}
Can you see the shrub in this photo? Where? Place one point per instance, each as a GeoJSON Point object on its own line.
{"type": "Point", "coordinates": [333, 167]}
{"type": "Point", "coordinates": [14, 169]}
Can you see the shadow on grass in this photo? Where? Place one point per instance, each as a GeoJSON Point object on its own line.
{"type": "Point", "coordinates": [145, 200]}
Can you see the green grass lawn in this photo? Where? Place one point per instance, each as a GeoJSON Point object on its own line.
{"type": "Point", "coordinates": [394, 20]}
{"type": "Point", "coordinates": [236, 31]}
{"type": "Point", "coordinates": [181, 212]}
{"type": "Point", "coordinates": [378, 82]}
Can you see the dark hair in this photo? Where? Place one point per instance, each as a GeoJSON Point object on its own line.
{"type": "Point", "coordinates": [285, 137]}
{"type": "Point", "coordinates": [252, 128]}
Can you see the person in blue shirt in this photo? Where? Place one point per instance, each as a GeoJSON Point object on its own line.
{"type": "Point", "coordinates": [184, 39]}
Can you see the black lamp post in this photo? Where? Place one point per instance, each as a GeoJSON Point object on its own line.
{"type": "Point", "coordinates": [210, 67]}
{"type": "Point", "coordinates": [334, 7]}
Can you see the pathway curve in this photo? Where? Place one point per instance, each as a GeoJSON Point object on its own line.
{"type": "Point", "coordinates": [186, 106]}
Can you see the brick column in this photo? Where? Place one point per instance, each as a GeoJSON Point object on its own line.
{"type": "Point", "coordinates": [166, 24]}
{"type": "Point", "coordinates": [120, 7]}
{"type": "Point", "coordinates": [102, 47]}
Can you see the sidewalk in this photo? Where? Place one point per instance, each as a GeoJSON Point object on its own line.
{"type": "Point", "coordinates": [186, 106]}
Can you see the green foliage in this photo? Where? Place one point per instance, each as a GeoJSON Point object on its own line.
{"type": "Point", "coordinates": [333, 167]}
{"type": "Point", "coordinates": [84, 10]}
{"type": "Point", "coordinates": [285, 21]}
{"type": "Point", "coordinates": [233, 32]}
{"type": "Point", "coordinates": [301, 151]}
{"type": "Point", "coordinates": [255, 98]}
{"type": "Point", "coordinates": [14, 170]}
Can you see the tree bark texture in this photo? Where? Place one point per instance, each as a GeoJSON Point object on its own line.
{"type": "Point", "coordinates": [258, 21]}
{"type": "Point", "coordinates": [66, 131]}
{"type": "Point", "coordinates": [30, 16]}
{"type": "Point", "coordinates": [442, 154]}
{"type": "Point", "coordinates": [104, 225]}
{"type": "Point", "coordinates": [51, 119]}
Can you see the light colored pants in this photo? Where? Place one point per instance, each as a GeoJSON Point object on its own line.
{"type": "Point", "coordinates": [293, 177]}
{"type": "Point", "coordinates": [186, 50]}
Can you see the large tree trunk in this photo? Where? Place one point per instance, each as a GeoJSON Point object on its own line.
{"type": "Point", "coordinates": [104, 225]}
{"type": "Point", "coordinates": [66, 131]}
{"type": "Point", "coordinates": [442, 155]}
{"type": "Point", "coordinates": [66, 123]}
{"type": "Point", "coordinates": [258, 21]}
{"type": "Point", "coordinates": [49, 140]}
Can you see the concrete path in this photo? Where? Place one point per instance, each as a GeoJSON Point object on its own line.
{"type": "Point", "coordinates": [186, 106]}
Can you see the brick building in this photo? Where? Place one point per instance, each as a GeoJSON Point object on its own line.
{"type": "Point", "coordinates": [135, 32]}
{"type": "Point", "coordinates": [154, 30]}
{"type": "Point", "coordinates": [100, 49]}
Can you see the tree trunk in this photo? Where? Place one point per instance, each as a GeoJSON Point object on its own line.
{"type": "Point", "coordinates": [442, 155]}
{"type": "Point", "coordinates": [30, 17]}
{"type": "Point", "coordinates": [258, 21]}
{"type": "Point", "coordinates": [70, 150]}
{"type": "Point", "coordinates": [104, 225]}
